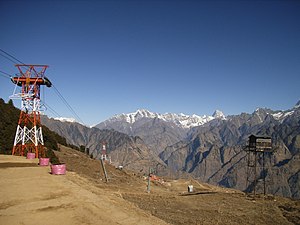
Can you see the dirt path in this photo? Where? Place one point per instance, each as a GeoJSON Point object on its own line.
{"type": "Point", "coordinates": [30, 195]}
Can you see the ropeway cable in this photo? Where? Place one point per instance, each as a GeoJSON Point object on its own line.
{"type": "Point", "coordinates": [11, 56]}
{"type": "Point", "coordinates": [67, 104]}
{"type": "Point", "coordinates": [4, 74]}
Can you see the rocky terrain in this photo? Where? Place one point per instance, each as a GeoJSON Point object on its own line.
{"type": "Point", "coordinates": [215, 152]}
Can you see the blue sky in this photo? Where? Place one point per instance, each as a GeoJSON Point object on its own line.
{"type": "Point", "coordinates": [110, 57]}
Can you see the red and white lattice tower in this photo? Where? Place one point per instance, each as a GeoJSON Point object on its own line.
{"type": "Point", "coordinates": [103, 151]}
{"type": "Point", "coordinates": [29, 136]}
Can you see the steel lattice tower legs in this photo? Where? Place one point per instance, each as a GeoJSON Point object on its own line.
{"type": "Point", "coordinates": [29, 135]}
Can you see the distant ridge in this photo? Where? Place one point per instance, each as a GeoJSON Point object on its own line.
{"type": "Point", "coordinates": [181, 120]}
{"type": "Point", "coordinates": [157, 130]}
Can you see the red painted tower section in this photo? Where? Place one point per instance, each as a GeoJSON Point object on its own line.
{"type": "Point", "coordinates": [29, 136]}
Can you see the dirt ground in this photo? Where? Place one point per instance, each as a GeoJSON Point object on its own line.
{"type": "Point", "coordinates": [83, 196]}
{"type": "Point", "coordinates": [31, 195]}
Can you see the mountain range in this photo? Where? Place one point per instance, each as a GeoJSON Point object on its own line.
{"type": "Point", "coordinates": [214, 153]}
{"type": "Point", "coordinates": [209, 148]}
{"type": "Point", "coordinates": [157, 130]}
{"type": "Point", "coordinates": [181, 120]}
{"type": "Point", "coordinates": [128, 151]}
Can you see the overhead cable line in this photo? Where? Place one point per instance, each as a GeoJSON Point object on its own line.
{"type": "Point", "coordinates": [11, 56]}
{"type": "Point", "coordinates": [4, 56]}
{"type": "Point", "coordinates": [67, 104]}
{"type": "Point", "coordinates": [52, 110]}
{"type": "Point", "coordinates": [4, 74]}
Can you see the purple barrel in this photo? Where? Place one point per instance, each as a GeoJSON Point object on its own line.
{"type": "Point", "coordinates": [44, 161]}
{"type": "Point", "coordinates": [59, 169]}
{"type": "Point", "coordinates": [30, 155]}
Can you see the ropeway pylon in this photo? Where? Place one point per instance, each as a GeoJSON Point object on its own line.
{"type": "Point", "coordinates": [29, 136]}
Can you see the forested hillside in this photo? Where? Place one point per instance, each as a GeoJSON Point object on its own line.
{"type": "Point", "coordinates": [9, 116]}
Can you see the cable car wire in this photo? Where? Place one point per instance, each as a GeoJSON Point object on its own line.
{"type": "Point", "coordinates": [67, 104]}
{"type": "Point", "coordinates": [9, 59]}
{"type": "Point", "coordinates": [11, 56]}
{"type": "Point", "coordinates": [4, 74]}
{"type": "Point", "coordinates": [51, 109]}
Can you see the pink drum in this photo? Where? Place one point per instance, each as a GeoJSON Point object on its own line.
{"type": "Point", "coordinates": [58, 169]}
{"type": "Point", "coordinates": [44, 161]}
{"type": "Point", "coordinates": [30, 155]}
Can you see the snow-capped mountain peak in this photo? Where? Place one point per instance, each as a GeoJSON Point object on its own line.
{"type": "Point", "coordinates": [65, 119]}
{"type": "Point", "coordinates": [281, 115]}
{"type": "Point", "coordinates": [297, 105]}
{"type": "Point", "coordinates": [219, 114]}
{"type": "Point", "coordinates": [181, 120]}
